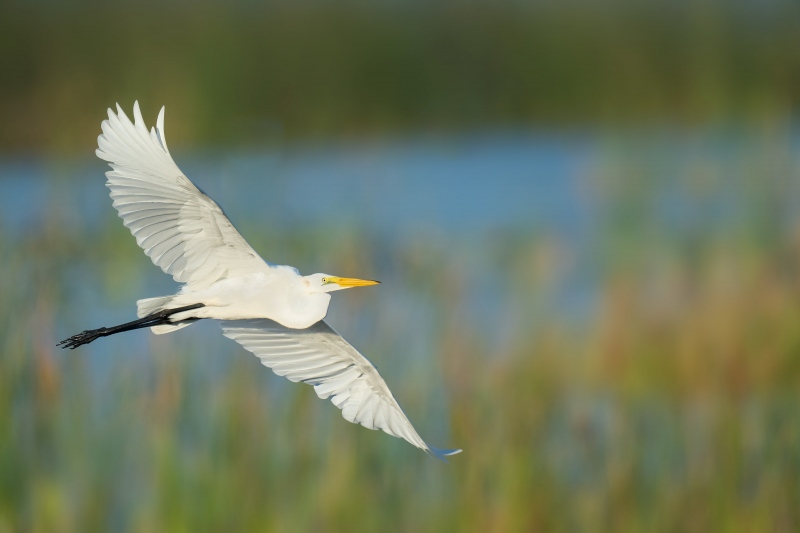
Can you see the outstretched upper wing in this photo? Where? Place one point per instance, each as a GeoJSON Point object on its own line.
{"type": "Point", "coordinates": [181, 229]}
{"type": "Point", "coordinates": [321, 357]}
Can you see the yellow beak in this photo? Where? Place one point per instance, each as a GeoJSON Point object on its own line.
{"type": "Point", "coordinates": [351, 282]}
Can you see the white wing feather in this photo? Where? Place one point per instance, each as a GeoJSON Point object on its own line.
{"type": "Point", "coordinates": [320, 357]}
{"type": "Point", "coordinates": [182, 230]}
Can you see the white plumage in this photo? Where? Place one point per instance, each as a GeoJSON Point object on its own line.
{"type": "Point", "coordinates": [180, 228]}
{"type": "Point", "coordinates": [271, 310]}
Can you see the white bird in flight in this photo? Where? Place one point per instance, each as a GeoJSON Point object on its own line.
{"type": "Point", "coordinates": [271, 310]}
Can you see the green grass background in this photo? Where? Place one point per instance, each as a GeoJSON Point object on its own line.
{"type": "Point", "coordinates": [673, 406]}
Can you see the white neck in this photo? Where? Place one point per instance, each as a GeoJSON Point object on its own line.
{"type": "Point", "coordinates": [303, 308]}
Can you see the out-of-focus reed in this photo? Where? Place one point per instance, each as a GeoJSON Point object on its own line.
{"type": "Point", "coordinates": [672, 405]}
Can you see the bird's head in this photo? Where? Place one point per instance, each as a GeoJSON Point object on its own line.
{"type": "Point", "coordinates": [328, 283]}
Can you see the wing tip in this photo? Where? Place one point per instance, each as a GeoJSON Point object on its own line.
{"type": "Point", "coordinates": [137, 115]}
{"type": "Point", "coordinates": [442, 454]}
{"type": "Point", "coordinates": [160, 129]}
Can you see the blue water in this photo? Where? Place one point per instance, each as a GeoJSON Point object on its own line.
{"type": "Point", "coordinates": [459, 185]}
{"type": "Point", "coordinates": [475, 200]}
{"type": "Point", "coordinates": [457, 193]}
{"type": "Point", "coordinates": [472, 204]}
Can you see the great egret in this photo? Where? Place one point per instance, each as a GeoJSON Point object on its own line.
{"type": "Point", "coordinates": [271, 310]}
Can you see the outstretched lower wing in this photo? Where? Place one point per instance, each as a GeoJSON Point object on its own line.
{"type": "Point", "coordinates": [320, 357]}
{"type": "Point", "coordinates": [181, 229]}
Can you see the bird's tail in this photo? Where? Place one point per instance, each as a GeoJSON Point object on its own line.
{"type": "Point", "coordinates": [148, 306]}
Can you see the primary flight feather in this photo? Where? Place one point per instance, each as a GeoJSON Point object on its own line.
{"type": "Point", "coordinates": [271, 310]}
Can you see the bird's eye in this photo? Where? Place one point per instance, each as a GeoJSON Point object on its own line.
{"type": "Point", "coordinates": [324, 280]}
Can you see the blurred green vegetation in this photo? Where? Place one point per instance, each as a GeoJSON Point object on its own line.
{"type": "Point", "coordinates": [252, 72]}
{"type": "Point", "coordinates": [671, 407]}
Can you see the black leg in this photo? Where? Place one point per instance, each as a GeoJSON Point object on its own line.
{"type": "Point", "coordinates": [155, 319]}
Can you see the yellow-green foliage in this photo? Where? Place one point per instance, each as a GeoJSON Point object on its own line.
{"type": "Point", "coordinates": [672, 406]}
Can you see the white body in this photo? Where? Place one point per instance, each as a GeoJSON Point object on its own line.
{"type": "Point", "coordinates": [279, 293]}
{"type": "Point", "coordinates": [272, 311]}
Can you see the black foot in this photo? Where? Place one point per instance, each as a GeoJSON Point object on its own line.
{"type": "Point", "coordinates": [82, 338]}
{"type": "Point", "coordinates": [156, 319]}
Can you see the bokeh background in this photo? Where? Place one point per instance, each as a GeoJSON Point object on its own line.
{"type": "Point", "coordinates": [586, 218]}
